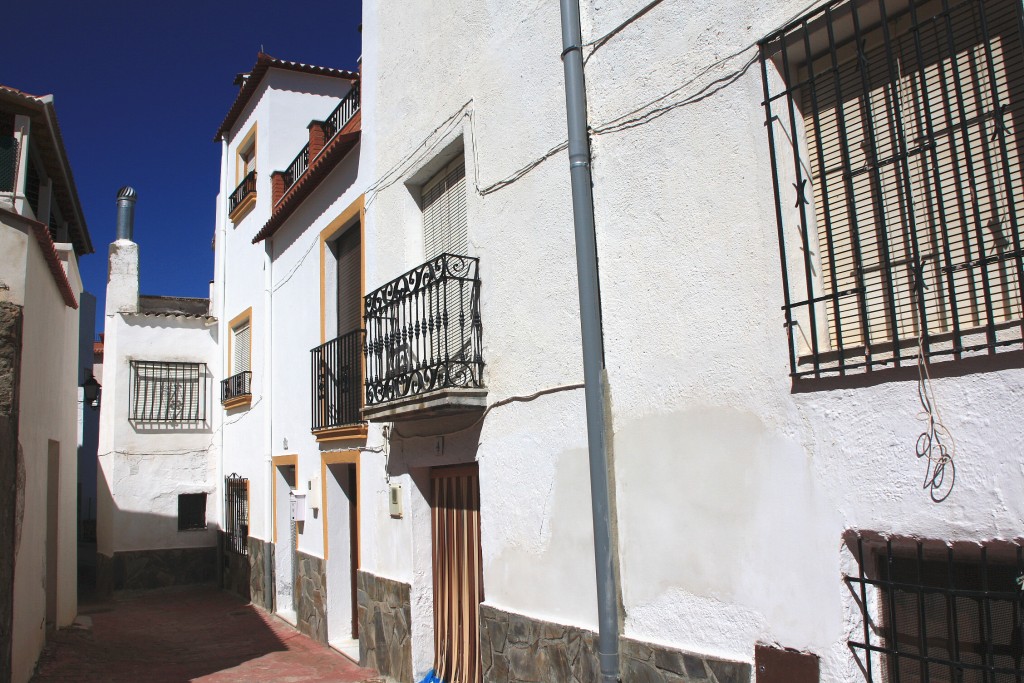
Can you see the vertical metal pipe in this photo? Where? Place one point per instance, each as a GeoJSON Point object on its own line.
{"type": "Point", "coordinates": [126, 198]}
{"type": "Point", "coordinates": [593, 343]}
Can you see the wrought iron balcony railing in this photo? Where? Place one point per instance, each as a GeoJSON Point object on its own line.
{"type": "Point", "coordinates": [337, 381]}
{"type": "Point", "coordinates": [236, 386]}
{"type": "Point", "coordinates": [244, 189]}
{"type": "Point", "coordinates": [423, 331]}
{"type": "Point", "coordinates": [337, 119]}
{"type": "Point", "coordinates": [343, 113]}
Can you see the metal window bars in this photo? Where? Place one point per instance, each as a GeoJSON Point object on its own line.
{"type": "Point", "coordinates": [423, 331]}
{"type": "Point", "coordinates": [239, 384]}
{"type": "Point", "coordinates": [236, 510]}
{"type": "Point", "coordinates": [936, 612]}
{"type": "Point", "coordinates": [897, 180]}
{"type": "Point", "coordinates": [337, 381]}
{"type": "Point", "coordinates": [244, 189]}
{"type": "Point", "coordinates": [167, 392]}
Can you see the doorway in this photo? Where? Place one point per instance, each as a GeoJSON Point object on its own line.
{"type": "Point", "coordinates": [458, 572]}
{"type": "Point", "coordinates": [342, 550]}
{"type": "Point", "coordinates": [285, 538]}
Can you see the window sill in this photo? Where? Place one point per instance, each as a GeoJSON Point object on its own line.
{"type": "Point", "coordinates": [356, 431]}
{"type": "Point", "coordinates": [237, 402]}
{"type": "Point", "coordinates": [243, 208]}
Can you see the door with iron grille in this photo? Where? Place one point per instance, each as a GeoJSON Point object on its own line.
{"type": "Point", "coordinates": [458, 574]}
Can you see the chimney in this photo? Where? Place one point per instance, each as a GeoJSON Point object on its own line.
{"type": "Point", "coordinates": [123, 259]}
{"type": "Point", "coordinates": [126, 198]}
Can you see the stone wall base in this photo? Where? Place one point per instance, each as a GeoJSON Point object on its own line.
{"type": "Point", "coordinates": [146, 569]}
{"type": "Point", "coordinates": [385, 626]}
{"type": "Point", "coordinates": [514, 647]}
{"type": "Point", "coordinates": [235, 570]}
{"type": "Point", "coordinates": [311, 596]}
{"type": "Point", "coordinates": [259, 582]}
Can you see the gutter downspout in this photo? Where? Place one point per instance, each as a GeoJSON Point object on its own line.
{"type": "Point", "coordinates": [219, 277]}
{"type": "Point", "coordinates": [594, 375]}
{"type": "Point", "coordinates": [269, 587]}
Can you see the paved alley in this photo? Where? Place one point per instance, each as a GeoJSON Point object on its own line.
{"type": "Point", "coordinates": [195, 634]}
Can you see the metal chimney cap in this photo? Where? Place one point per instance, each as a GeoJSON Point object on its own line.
{"type": "Point", "coordinates": [128, 192]}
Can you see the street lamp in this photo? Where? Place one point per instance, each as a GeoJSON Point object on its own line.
{"type": "Point", "coordinates": [91, 389]}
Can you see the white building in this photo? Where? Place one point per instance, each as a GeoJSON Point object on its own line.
{"type": "Point", "coordinates": [289, 279]}
{"type": "Point", "coordinates": [157, 496]}
{"type": "Point", "coordinates": [767, 462]}
{"type": "Point", "coordinates": [42, 236]}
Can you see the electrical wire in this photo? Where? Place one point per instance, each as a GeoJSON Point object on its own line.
{"type": "Point", "coordinates": [935, 444]}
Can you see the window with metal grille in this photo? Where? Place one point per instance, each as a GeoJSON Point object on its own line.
{"type": "Point", "coordinates": [167, 392]}
{"type": "Point", "coordinates": [939, 613]}
{"type": "Point", "coordinates": [897, 178]}
{"type": "Point", "coordinates": [191, 511]}
{"type": "Point", "coordinates": [236, 523]}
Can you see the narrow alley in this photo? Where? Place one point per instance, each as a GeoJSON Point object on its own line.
{"type": "Point", "coordinates": [187, 634]}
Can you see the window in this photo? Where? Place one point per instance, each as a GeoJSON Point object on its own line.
{"type": "Point", "coordinates": [244, 196]}
{"type": "Point", "coordinates": [191, 511]}
{"type": "Point", "coordinates": [443, 200]}
{"type": "Point", "coordinates": [939, 613]}
{"type": "Point", "coordinates": [897, 180]}
{"type": "Point", "coordinates": [236, 511]}
{"type": "Point", "coordinates": [238, 386]}
{"type": "Point", "coordinates": [167, 392]}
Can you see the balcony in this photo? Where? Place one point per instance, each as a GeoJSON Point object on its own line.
{"type": "Point", "coordinates": [243, 198]}
{"type": "Point", "coordinates": [330, 127]}
{"type": "Point", "coordinates": [235, 391]}
{"type": "Point", "coordinates": [424, 342]}
{"type": "Point", "coordinates": [337, 387]}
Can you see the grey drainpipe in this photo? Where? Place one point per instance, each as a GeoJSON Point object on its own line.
{"type": "Point", "coordinates": [594, 376]}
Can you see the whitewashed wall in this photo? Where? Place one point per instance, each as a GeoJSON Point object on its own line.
{"type": "Point", "coordinates": [144, 467]}
{"type": "Point", "coordinates": [733, 491]}
{"type": "Point", "coordinates": [281, 109]}
{"type": "Point", "coordinates": [48, 413]}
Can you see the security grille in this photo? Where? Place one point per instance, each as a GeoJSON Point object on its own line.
{"type": "Point", "coordinates": [167, 392]}
{"type": "Point", "coordinates": [191, 511]}
{"type": "Point", "coordinates": [938, 613]}
{"type": "Point", "coordinates": [236, 507]}
{"type": "Point", "coordinates": [897, 176]}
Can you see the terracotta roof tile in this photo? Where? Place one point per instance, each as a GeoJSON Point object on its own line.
{"type": "Point", "coordinates": [252, 82]}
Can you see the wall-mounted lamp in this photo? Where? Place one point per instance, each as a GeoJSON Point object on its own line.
{"type": "Point", "coordinates": [91, 389]}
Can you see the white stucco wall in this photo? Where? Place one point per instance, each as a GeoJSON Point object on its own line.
{"type": "Point", "coordinates": [48, 415]}
{"type": "Point", "coordinates": [146, 466]}
{"type": "Point", "coordinates": [733, 490]}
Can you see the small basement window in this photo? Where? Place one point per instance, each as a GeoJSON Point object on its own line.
{"type": "Point", "coordinates": [191, 511]}
{"type": "Point", "coordinates": [934, 612]}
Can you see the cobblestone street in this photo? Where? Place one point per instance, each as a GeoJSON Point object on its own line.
{"type": "Point", "coordinates": [194, 634]}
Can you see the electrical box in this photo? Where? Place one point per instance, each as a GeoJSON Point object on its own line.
{"type": "Point", "coordinates": [314, 493]}
{"type": "Point", "coordinates": [298, 502]}
{"type": "Point", "coordinates": [395, 500]}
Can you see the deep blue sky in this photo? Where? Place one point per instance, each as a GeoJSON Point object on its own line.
{"type": "Point", "coordinates": [140, 89]}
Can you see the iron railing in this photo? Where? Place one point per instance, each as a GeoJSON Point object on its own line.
{"type": "Point", "coordinates": [343, 113]}
{"type": "Point", "coordinates": [931, 611]}
{"type": "Point", "coordinates": [235, 386]}
{"type": "Point", "coordinates": [423, 331]}
{"type": "Point", "coordinates": [167, 392]}
{"type": "Point", "coordinates": [298, 166]}
{"type": "Point", "coordinates": [236, 510]}
{"type": "Point", "coordinates": [244, 189]}
{"type": "Point", "coordinates": [8, 163]}
{"type": "Point", "coordinates": [337, 119]}
{"type": "Point", "coordinates": [337, 381]}
{"type": "Point", "coordinates": [897, 182]}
